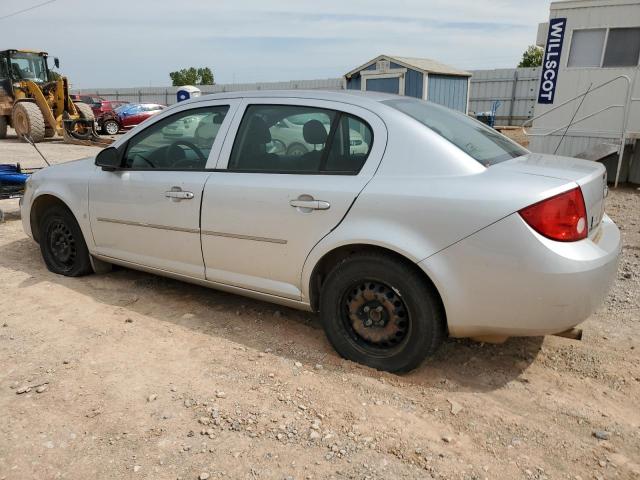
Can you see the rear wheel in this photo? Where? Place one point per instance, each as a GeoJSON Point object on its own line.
{"type": "Point", "coordinates": [62, 245]}
{"type": "Point", "coordinates": [379, 311]}
{"type": "Point", "coordinates": [110, 127]}
{"type": "Point", "coordinates": [28, 121]}
{"type": "Point", "coordinates": [3, 127]}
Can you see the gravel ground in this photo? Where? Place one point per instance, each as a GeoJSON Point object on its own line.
{"type": "Point", "coordinates": [128, 375]}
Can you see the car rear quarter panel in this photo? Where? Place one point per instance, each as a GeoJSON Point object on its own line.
{"type": "Point", "coordinates": [420, 215]}
{"type": "Point", "coordinates": [509, 280]}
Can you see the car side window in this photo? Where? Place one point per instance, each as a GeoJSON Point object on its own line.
{"type": "Point", "coordinates": [351, 145]}
{"type": "Point", "coordinates": [299, 139]}
{"type": "Point", "coordinates": [180, 142]}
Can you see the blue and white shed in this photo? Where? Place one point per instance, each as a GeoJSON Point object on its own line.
{"type": "Point", "coordinates": [415, 77]}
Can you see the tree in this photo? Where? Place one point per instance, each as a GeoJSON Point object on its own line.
{"type": "Point", "coordinates": [192, 76]}
{"type": "Point", "coordinates": [532, 57]}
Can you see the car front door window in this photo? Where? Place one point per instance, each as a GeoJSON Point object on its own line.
{"type": "Point", "coordinates": [180, 142]}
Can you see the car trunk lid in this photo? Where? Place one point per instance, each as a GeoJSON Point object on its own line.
{"type": "Point", "coordinates": [590, 176]}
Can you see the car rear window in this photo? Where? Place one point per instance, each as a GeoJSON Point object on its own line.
{"type": "Point", "coordinates": [480, 142]}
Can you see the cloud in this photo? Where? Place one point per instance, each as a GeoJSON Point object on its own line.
{"type": "Point", "coordinates": [137, 43]}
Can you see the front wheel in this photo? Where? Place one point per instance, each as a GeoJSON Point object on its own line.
{"type": "Point", "coordinates": [28, 121]}
{"type": "Point", "coordinates": [379, 311]}
{"type": "Point", "coordinates": [110, 127]}
{"type": "Point", "coordinates": [62, 245]}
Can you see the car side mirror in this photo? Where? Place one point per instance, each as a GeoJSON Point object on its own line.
{"type": "Point", "coordinates": [56, 62]}
{"type": "Point", "coordinates": [108, 159]}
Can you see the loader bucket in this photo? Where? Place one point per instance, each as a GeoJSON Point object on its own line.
{"type": "Point", "coordinates": [83, 132]}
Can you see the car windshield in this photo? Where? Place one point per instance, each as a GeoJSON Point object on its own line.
{"type": "Point", "coordinates": [28, 66]}
{"type": "Point", "coordinates": [480, 142]}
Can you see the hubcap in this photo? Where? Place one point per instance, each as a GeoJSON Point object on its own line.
{"type": "Point", "coordinates": [112, 128]}
{"type": "Point", "coordinates": [62, 244]}
{"type": "Point", "coordinates": [376, 314]}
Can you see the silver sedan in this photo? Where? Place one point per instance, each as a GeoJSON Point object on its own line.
{"type": "Point", "coordinates": [434, 226]}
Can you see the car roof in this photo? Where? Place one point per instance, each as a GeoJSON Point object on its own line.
{"type": "Point", "coordinates": [347, 96]}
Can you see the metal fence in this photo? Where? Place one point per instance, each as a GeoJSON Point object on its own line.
{"type": "Point", "coordinates": [514, 88]}
{"type": "Point", "coordinates": [167, 95]}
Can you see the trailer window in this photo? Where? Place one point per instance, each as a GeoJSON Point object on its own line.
{"type": "Point", "coordinates": [623, 48]}
{"type": "Point", "coordinates": [586, 47]}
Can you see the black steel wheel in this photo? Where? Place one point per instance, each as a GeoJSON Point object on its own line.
{"type": "Point", "coordinates": [62, 245]}
{"type": "Point", "coordinates": [375, 315]}
{"type": "Point", "coordinates": [380, 311]}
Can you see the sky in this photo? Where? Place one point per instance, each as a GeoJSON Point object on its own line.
{"type": "Point", "coordinates": [136, 43]}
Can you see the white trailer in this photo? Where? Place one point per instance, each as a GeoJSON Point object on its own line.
{"type": "Point", "coordinates": [588, 101]}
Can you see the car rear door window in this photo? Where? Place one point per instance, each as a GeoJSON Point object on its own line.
{"type": "Point", "coordinates": [300, 139]}
{"type": "Point", "coordinates": [180, 142]}
{"type": "Point", "coordinates": [351, 145]}
{"type": "Point", "coordinates": [483, 144]}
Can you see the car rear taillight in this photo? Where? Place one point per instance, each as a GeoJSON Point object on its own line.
{"type": "Point", "coordinates": [562, 217]}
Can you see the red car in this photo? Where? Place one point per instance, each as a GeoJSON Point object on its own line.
{"type": "Point", "coordinates": [102, 109]}
{"type": "Point", "coordinates": [128, 116]}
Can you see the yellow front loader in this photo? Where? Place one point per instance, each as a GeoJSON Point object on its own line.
{"type": "Point", "coordinates": [36, 103]}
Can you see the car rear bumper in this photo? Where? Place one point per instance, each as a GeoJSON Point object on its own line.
{"type": "Point", "coordinates": [508, 280]}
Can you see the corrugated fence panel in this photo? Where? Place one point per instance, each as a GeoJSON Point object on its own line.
{"type": "Point", "coordinates": [515, 89]}
{"type": "Point", "coordinates": [487, 86]}
{"type": "Point", "coordinates": [167, 95]}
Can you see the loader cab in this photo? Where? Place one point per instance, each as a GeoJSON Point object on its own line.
{"type": "Point", "coordinates": [19, 65]}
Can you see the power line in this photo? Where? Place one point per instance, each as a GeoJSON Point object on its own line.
{"type": "Point", "coordinates": [26, 9]}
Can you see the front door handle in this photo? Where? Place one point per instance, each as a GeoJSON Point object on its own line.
{"type": "Point", "coordinates": [176, 194]}
{"type": "Point", "coordinates": [310, 204]}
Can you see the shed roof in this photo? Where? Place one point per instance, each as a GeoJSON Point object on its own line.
{"type": "Point", "coordinates": [425, 65]}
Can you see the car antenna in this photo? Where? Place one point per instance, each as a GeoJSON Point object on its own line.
{"type": "Point", "coordinates": [30, 141]}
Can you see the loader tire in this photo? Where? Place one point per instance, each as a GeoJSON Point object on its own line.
{"type": "Point", "coordinates": [83, 132]}
{"type": "Point", "coordinates": [3, 127]}
{"type": "Point", "coordinates": [85, 111]}
{"type": "Point", "coordinates": [27, 120]}
{"type": "Point", "coordinates": [49, 132]}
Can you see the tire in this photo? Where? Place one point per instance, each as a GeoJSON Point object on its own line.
{"type": "Point", "coordinates": [85, 111]}
{"type": "Point", "coordinates": [49, 132]}
{"type": "Point", "coordinates": [110, 127]}
{"type": "Point", "coordinates": [3, 127]}
{"type": "Point", "coordinates": [62, 244]}
{"type": "Point", "coordinates": [409, 319]}
{"type": "Point", "coordinates": [27, 120]}
{"type": "Point", "coordinates": [296, 150]}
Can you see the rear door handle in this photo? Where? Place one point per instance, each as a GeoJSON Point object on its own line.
{"type": "Point", "coordinates": [310, 204]}
{"type": "Point", "coordinates": [178, 195]}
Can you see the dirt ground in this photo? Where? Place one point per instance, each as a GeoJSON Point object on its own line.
{"type": "Point", "coordinates": [129, 375]}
